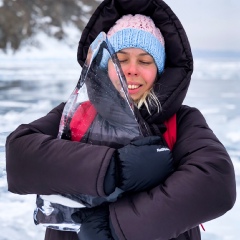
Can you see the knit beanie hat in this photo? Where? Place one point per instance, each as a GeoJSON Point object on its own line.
{"type": "Point", "coordinates": [138, 31]}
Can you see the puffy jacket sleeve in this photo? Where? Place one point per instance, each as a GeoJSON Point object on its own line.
{"type": "Point", "coordinates": [201, 188]}
{"type": "Point", "coordinates": [37, 162]}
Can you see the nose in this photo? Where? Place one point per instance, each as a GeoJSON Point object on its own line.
{"type": "Point", "coordinates": [131, 69]}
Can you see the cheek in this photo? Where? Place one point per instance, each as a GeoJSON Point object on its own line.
{"type": "Point", "coordinates": [150, 77]}
{"type": "Point", "coordinates": [112, 72]}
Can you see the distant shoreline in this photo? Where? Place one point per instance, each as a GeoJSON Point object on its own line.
{"type": "Point", "coordinates": [216, 54]}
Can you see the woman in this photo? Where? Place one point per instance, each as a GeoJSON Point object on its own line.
{"type": "Point", "coordinates": [201, 188]}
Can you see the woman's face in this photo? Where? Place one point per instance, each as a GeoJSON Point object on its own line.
{"type": "Point", "coordinates": [139, 69]}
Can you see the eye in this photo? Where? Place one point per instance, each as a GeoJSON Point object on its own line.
{"type": "Point", "coordinates": [122, 57]}
{"type": "Point", "coordinates": [123, 60]}
{"type": "Point", "coordinates": [145, 62]}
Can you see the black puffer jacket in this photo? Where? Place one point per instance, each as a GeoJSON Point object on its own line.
{"type": "Point", "coordinates": [203, 185]}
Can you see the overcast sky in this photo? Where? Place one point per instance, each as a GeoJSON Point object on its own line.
{"type": "Point", "coordinates": [210, 24]}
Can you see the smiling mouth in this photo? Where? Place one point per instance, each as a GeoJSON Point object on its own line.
{"type": "Point", "coordinates": [132, 86]}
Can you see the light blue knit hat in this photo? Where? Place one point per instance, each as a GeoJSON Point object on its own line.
{"type": "Point", "coordinates": [138, 31]}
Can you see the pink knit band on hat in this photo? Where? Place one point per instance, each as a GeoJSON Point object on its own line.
{"type": "Point", "coordinates": [137, 21]}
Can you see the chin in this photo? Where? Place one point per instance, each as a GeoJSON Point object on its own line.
{"type": "Point", "coordinates": [134, 98]}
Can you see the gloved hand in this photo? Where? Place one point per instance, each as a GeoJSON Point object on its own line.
{"type": "Point", "coordinates": [140, 165]}
{"type": "Point", "coordinates": [94, 223]}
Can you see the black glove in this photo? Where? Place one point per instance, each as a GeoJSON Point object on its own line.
{"type": "Point", "coordinates": [94, 223]}
{"type": "Point", "coordinates": [142, 164]}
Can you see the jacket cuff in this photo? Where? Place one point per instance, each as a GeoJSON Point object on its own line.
{"type": "Point", "coordinates": [102, 172]}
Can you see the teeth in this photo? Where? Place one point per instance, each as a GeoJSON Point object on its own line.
{"type": "Point", "coordinates": [133, 86]}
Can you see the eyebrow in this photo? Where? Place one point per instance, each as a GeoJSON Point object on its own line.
{"type": "Point", "coordinates": [121, 51]}
{"type": "Point", "coordinates": [141, 54]}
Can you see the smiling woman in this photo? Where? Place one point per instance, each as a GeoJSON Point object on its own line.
{"type": "Point", "coordinates": [140, 49]}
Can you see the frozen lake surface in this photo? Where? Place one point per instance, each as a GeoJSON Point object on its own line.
{"type": "Point", "coordinates": [31, 88]}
